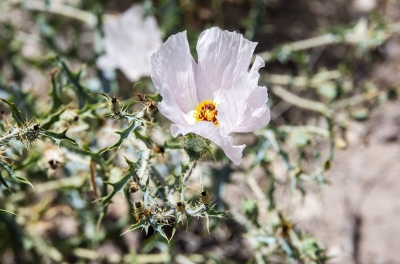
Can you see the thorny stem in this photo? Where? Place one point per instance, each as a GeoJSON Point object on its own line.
{"type": "Point", "coordinates": [171, 191]}
{"type": "Point", "coordinates": [301, 81]}
{"type": "Point", "coordinates": [301, 102]}
{"type": "Point", "coordinates": [144, 164]}
{"type": "Point", "coordinates": [307, 129]}
{"type": "Point", "coordinates": [14, 133]}
{"type": "Point", "coordinates": [190, 172]}
{"type": "Point", "coordinates": [59, 9]}
{"type": "Point", "coordinates": [350, 37]}
{"type": "Point", "coordinates": [357, 99]}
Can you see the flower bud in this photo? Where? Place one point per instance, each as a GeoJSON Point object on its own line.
{"type": "Point", "coordinates": [196, 148]}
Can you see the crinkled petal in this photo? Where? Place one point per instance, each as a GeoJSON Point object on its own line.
{"type": "Point", "coordinates": [253, 74]}
{"type": "Point", "coordinates": [172, 69]}
{"type": "Point", "coordinates": [170, 109]}
{"type": "Point", "coordinates": [210, 131]}
{"type": "Point", "coordinates": [223, 56]}
{"type": "Point", "coordinates": [256, 113]}
{"type": "Point", "coordinates": [231, 105]}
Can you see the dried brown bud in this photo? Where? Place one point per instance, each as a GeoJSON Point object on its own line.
{"type": "Point", "coordinates": [205, 197]}
{"type": "Point", "coordinates": [159, 149]}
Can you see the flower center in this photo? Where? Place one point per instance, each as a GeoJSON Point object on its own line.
{"type": "Point", "coordinates": [206, 111]}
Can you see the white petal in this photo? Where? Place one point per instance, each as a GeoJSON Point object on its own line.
{"type": "Point", "coordinates": [223, 55]}
{"type": "Point", "coordinates": [256, 113]}
{"type": "Point", "coordinates": [210, 131]}
{"type": "Point", "coordinates": [231, 105]}
{"type": "Point", "coordinates": [170, 109]}
{"type": "Point", "coordinates": [106, 63]}
{"type": "Point", "coordinates": [129, 41]}
{"type": "Point", "coordinates": [172, 69]}
{"type": "Point", "coordinates": [253, 74]}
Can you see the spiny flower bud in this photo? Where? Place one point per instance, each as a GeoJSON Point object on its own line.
{"type": "Point", "coordinates": [196, 147]}
{"type": "Point", "coordinates": [115, 106]}
{"type": "Point", "coordinates": [30, 134]}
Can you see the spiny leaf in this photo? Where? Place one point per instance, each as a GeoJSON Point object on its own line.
{"type": "Point", "coordinates": [7, 168]}
{"type": "Point", "coordinates": [58, 137]}
{"type": "Point", "coordinates": [56, 91]}
{"type": "Point", "coordinates": [118, 186]}
{"type": "Point", "coordinates": [74, 78]}
{"type": "Point", "coordinates": [133, 227]}
{"type": "Point", "coordinates": [155, 97]}
{"type": "Point", "coordinates": [24, 180]}
{"type": "Point", "coordinates": [16, 114]}
{"type": "Point", "coordinates": [124, 134]}
{"type": "Point", "coordinates": [178, 219]}
{"type": "Point", "coordinates": [10, 172]}
{"type": "Point", "coordinates": [132, 170]}
{"type": "Point", "coordinates": [215, 213]}
{"type": "Point", "coordinates": [106, 96]}
{"type": "Point", "coordinates": [158, 228]}
{"type": "Point", "coordinates": [51, 119]}
{"type": "Point", "coordinates": [148, 199]}
{"type": "Point", "coordinates": [144, 139]}
{"type": "Point", "coordinates": [3, 181]}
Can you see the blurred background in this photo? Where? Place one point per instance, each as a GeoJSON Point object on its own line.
{"type": "Point", "coordinates": [327, 164]}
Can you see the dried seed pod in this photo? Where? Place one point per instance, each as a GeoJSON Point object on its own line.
{"type": "Point", "coordinates": [53, 164]}
{"type": "Point", "coordinates": [180, 207]}
{"type": "Point", "coordinates": [150, 105]}
{"type": "Point", "coordinates": [285, 225]}
{"type": "Point", "coordinates": [205, 197]}
{"type": "Point", "coordinates": [134, 187]}
{"type": "Point", "coordinates": [114, 105]}
{"type": "Point", "coordinates": [141, 211]}
{"type": "Point", "coordinates": [159, 149]}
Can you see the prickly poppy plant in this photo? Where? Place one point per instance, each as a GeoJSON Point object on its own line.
{"type": "Point", "coordinates": [145, 132]}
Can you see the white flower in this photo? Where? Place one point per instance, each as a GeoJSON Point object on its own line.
{"type": "Point", "coordinates": [215, 96]}
{"type": "Point", "coordinates": [129, 41]}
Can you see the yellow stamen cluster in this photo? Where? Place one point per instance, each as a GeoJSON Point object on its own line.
{"type": "Point", "coordinates": [206, 111]}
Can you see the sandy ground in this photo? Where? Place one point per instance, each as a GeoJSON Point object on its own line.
{"type": "Point", "coordinates": [356, 217]}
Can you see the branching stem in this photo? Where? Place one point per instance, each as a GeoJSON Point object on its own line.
{"type": "Point", "coordinates": [301, 102]}
{"type": "Point", "coordinates": [14, 133]}
{"type": "Point", "coordinates": [59, 9]}
{"type": "Point", "coordinates": [190, 172]}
